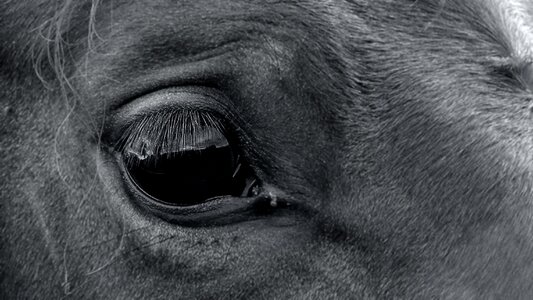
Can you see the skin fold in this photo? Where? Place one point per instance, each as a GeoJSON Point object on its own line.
{"type": "Point", "coordinates": [392, 138]}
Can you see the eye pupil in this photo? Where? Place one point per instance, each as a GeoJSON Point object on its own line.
{"type": "Point", "coordinates": [191, 176]}
{"type": "Point", "coordinates": [186, 177]}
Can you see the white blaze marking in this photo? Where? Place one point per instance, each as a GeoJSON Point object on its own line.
{"type": "Point", "coordinates": [516, 20]}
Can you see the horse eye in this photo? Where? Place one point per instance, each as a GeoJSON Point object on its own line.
{"type": "Point", "coordinates": [188, 171]}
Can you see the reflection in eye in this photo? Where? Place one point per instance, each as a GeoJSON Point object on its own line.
{"type": "Point", "coordinates": [183, 157]}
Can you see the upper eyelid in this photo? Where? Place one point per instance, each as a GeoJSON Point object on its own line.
{"type": "Point", "coordinates": [183, 97]}
{"type": "Point", "coordinates": [236, 128]}
{"type": "Point", "coordinates": [126, 78]}
{"type": "Point", "coordinates": [208, 100]}
{"type": "Point", "coordinates": [175, 98]}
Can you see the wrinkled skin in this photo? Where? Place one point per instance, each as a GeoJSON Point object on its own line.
{"type": "Point", "coordinates": [402, 127]}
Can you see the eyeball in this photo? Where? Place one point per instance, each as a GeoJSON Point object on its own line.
{"type": "Point", "coordinates": [184, 158]}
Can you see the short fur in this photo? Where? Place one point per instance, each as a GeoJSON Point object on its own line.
{"type": "Point", "coordinates": [405, 126]}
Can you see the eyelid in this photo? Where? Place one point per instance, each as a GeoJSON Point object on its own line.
{"type": "Point", "coordinates": [200, 98]}
{"type": "Point", "coordinates": [182, 97]}
{"type": "Point", "coordinates": [176, 98]}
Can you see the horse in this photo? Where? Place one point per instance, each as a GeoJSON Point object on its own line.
{"type": "Point", "coordinates": [295, 149]}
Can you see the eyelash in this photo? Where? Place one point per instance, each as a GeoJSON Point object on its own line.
{"type": "Point", "coordinates": [170, 130]}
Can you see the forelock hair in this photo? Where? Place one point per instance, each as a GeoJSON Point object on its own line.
{"type": "Point", "coordinates": [52, 52]}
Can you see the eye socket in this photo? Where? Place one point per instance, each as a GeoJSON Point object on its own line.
{"type": "Point", "coordinates": [184, 157]}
